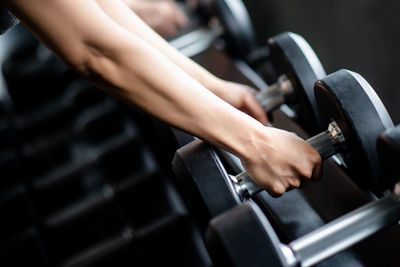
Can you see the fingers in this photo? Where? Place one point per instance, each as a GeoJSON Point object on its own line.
{"type": "Point", "coordinates": [164, 16]}
{"type": "Point", "coordinates": [317, 173]}
{"type": "Point", "coordinates": [180, 18]}
{"type": "Point", "coordinates": [253, 108]}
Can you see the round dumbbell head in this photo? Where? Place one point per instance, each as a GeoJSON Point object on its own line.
{"type": "Point", "coordinates": [388, 145]}
{"type": "Point", "coordinates": [293, 56]}
{"type": "Point", "coordinates": [243, 236]}
{"type": "Point", "coordinates": [239, 29]}
{"type": "Point", "coordinates": [346, 98]}
{"type": "Point", "coordinates": [204, 181]}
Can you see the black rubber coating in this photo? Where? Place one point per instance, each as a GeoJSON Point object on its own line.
{"type": "Point", "coordinates": [239, 29]}
{"type": "Point", "coordinates": [243, 236]}
{"type": "Point", "coordinates": [346, 98]}
{"type": "Point", "coordinates": [204, 181]}
{"type": "Point", "coordinates": [292, 55]}
{"type": "Point", "coordinates": [388, 146]}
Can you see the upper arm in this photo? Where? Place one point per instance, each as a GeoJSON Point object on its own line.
{"type": "Point", "coordinates": [73, 29]}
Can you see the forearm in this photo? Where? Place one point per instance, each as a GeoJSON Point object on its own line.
{"type": "Point", "coordinates": [125, 66]}
{"type": "Point", "coordinates": [120, 13]}
{"type": "Point", "coordinates": [174, 97]}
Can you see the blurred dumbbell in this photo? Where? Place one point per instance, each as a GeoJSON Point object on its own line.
{"type": "Point", "coordinates": [356, 117]}
{"type": "Point", "coordinates": [93, 124]}
{"type": "Point", "coordinates": [101, 198]}
{"type": "Point", "coordinates": [79, 94]}
{"type": "Point", "coordinates": [228, 19]}
{"type": "Point", "coordinates": [127, 236]}
{"type": "Point", "coordinates": [294, 68]}
{"type": "Point", "coordinates": [243, 236]}
{"type": "Point", "coordinates": [86, 158]}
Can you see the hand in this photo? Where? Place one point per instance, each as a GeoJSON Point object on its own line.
{"type": "Point", "coordinates": [279, 161]}
{"type": "Point", "coordinates": [164, 16]}
{"type": "Point", "coordinates": [241, 97]}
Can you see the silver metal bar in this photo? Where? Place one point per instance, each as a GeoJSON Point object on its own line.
{"type": "Point", "coordinates": [326, 143]}
{"type": "Point", "coordinates": [250, 74]}
{"type": "Point", "coordinates": [346, 230]}
{"type": "Point", "coordinates": [274, 96]}
{"type": "Point", "coordinates": [197, 41]}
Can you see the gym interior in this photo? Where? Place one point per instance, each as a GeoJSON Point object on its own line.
{"type": "Point", "coordinates": [89, 181]}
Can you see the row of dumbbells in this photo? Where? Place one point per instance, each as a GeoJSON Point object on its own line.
{"type": "Point", "coordinates": [351, 125]}
{"type": "Point", "coordinates": [77, 174]}
{"type": "Point", "coordinates": [67, 159]}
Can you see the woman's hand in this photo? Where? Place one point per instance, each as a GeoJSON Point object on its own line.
{"type": "Point", "coordinates": [278, 160]}
{"type": "Point", "coordinates": [164, 16]}
{"type": "Point", "coordinates": [241, 97]}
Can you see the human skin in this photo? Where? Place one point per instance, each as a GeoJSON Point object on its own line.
{"type": "Point", "coordinates": [163, 16]}
{"type": "Point", "coordinates": [108, 44]}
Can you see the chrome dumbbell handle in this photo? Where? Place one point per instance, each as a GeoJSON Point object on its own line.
{"type": "Point", "coordinates": [346, 230]}
{"type": "Point", "coordinates": [327, 143]}
{"type": "Point", "coordinates": [273, 96]}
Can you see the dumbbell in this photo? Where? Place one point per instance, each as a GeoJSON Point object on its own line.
{"type": "Point", "coordinates": [93, 117]}
{"type": "Point", "coordinates": [88, 158]}
{"type": "Point", "coordinates": [102, 198]}
{"type": "Point", "coordinates": [356, 117]}
{"type": "Point", "coordinates": [127, 236]}
{"type": "Point", "coordinates": [295, 68]}
{"type": "Point", "coordinates": [77, 95]}
{"type": "Point", "coordinates": [244, 237]}
{"type": "Point", "coordinates": [237, 29]}
{"type": "Point", "coordinates": [227, 232]}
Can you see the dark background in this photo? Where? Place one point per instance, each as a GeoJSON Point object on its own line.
{"type": "Point", "coordinates": [359, 35]}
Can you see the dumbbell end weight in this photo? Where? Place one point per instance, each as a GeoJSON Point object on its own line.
{"type": "Point", "coordinates": [347, 230]}
{"type": "Point", "coordinates": [244, 237]}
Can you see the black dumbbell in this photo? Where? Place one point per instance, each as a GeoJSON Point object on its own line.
{"type": "Point", "coordinates": [234, 25]}
{"type": "Point", "coordinates": [78, 94]}
{"type": "Point", "coordinates": [243, 236]}
{"type": "Point", "coordinates": [388, 146]}
{"type": "Point", "coordinates": [238, 28]}
{"type": "Point", "coordinates": [91, 119]}
{"type": "Point", "coordinates": [88, 158]}
{"type": "Point", "coordinates": [357, 118]}
{"type": "Point", "coordinates": [296, 68]}
{"type": "Point", "coordinates": [127, 236]}
{"type": "Point", "coordinates": [102, 198]}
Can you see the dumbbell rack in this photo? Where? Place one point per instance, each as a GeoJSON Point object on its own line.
{"type": "Point", "coordinates": [301, 211]}
{"type": "Point", "coordinates": [81, 183]}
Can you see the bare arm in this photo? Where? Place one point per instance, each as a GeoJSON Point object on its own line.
{"type": "Point", "coordinates": [126, 66]}
{"type": "Point", "coordinates": [236, 94]}
{"type": "Point", "coordinates": [163, 16]}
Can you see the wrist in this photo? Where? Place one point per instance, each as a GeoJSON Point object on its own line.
{"type": "Point", "coordinates": [239, 135]}
{"type": "Point", "coordinates": [211, 82]}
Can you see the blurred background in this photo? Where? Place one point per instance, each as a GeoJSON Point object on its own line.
{"type": "Point", "coordinates": [360, 35]}
{"type": "Point", "coordinates": [77, 165]}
